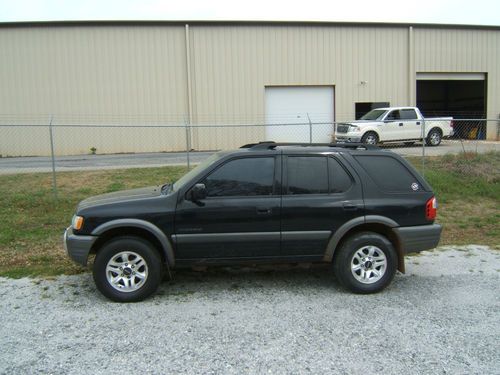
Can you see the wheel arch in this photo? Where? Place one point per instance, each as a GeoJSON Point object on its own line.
{"type": "Point", "coordinates": [438, 128]}
{"type": "Point", "coordinates": [135, 227]}
{"type": "Point", "coordinates": [377, 224]}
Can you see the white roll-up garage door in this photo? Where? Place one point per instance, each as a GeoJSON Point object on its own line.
{"type": "Point", "coordinates": [299, 106]}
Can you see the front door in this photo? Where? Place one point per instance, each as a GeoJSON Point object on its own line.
{"type": "Point", "coordinates": [239, 218]}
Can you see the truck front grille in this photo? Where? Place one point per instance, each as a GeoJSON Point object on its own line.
{"type": "Point", "coordinates": [342, 128]}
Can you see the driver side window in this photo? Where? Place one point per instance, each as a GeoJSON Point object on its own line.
{"type": "Point", "coordinates": [242, 177]}
{"type": "Point", "coordinates": [394, 115]}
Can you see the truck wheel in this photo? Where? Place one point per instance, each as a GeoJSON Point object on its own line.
{"type": "Point", "coordinates": [365, 263]}
{"type": "Point", "coordinates": [434, 137]}
{"type": "Point", "coordinates": [370, 138]}
{"type": "Point", "coordinates": [127, 269]}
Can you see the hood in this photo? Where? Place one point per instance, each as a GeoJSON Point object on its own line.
{"type": "Point", "coordinates": [362, 122]}
{"type": "Point", "coordinates": [121, 196]}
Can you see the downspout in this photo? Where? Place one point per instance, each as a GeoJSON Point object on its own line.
{"type": "Point", "coordinates": [189, 93]}
{"type": "Point", "coordinates": [412, 101]}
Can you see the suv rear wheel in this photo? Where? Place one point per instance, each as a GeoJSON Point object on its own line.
{"type": "Point", "coordinates": [127, 269]}
{"type": "Point", "coordinates": [366, 263]}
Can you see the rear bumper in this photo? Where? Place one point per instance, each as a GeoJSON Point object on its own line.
{"type": "Point", "coordinates": [78, 247]}
{"type": "Point", "coordinates": [419, 238]}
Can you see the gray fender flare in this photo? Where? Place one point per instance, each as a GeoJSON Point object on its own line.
{"type": "Point", "coordinates": [145, 225]}
{"type": "Point", "coordinates": [346, 227]}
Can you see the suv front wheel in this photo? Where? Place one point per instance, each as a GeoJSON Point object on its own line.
{"type": "Point", "coordinates": [127, 269]}
{"type": "Point", "coordinates": [366, 263]}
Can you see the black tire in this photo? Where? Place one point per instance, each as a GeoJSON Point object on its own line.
{"type": "Point", "coordinates": [361, 243]}
{"type": "Point", "coordinates": [134, 251]}
{"type": "Point", "coordinates": [434, 137]}
{"type": "Point", "coordinates": [370, 138]}
{"type": "Point", "coordinates": [409, 143]}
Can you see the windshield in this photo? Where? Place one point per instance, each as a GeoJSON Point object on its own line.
{"type": "Point", "coordinates": [374, 114]}
{"type": "Point", "coordinates": [193, 172]}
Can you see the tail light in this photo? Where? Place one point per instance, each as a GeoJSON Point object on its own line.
{"type": "Point", "coordinates": [452, 124]}
{"type": "Point", "coordinates": [431, 209]}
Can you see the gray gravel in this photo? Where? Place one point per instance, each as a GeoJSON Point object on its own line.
{"type": "Point", "coordinates": [442, 317]}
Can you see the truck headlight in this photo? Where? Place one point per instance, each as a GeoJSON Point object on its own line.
{"type": "Point", "coordinates": [77, 222]}
{"type": "Point", "coordinates": [354, 128]}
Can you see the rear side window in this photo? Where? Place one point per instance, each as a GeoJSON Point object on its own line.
{"type": "Point", "coordinates": [389, 173]}
{"type": "Point", "coordinates": [307, 175]}
{"type": "Point", "coordinates": [340, 181]}
{"type": "Point", "coordinates": [408, 114]}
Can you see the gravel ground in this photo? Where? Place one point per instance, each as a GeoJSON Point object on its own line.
{"type": "Point", "coordinates": [442, 316]}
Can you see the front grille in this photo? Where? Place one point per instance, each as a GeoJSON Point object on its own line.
{"type": "Point", "coordinates": [342, 128]}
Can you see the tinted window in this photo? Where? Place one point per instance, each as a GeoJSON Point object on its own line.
{"type": "Point", "coordinates": [307, 175]}
{"type": "Point", "coordinates": [408, 114]}
{"type": "Point", "coordinates": [388, 173]}
{"type": "Point", "coordinates": [340, 181]}
{"type": "Point", "coordinates": [242, 177]}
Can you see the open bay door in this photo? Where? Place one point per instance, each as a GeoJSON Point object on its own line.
{"type": "Point", "coordinates": [299, 113]}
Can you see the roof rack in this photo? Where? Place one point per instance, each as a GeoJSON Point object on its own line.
{"type": "Point", "coordinates": [269, 145]}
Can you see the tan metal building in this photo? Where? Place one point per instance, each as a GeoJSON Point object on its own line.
{"type": "Point", "coordinates": [229, 73]}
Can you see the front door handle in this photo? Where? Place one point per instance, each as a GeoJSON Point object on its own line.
{"type": "Point", "coordinates": [264, 211]}
{"type": "Point", "coordinates": [418, 122]}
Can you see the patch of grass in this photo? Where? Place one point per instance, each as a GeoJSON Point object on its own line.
{"type": "Point", "coordinates": [32, 222]}
{"type": "Point", "coordinates": [467, 187]}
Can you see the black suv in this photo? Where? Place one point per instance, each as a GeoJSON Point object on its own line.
{"type": "Point", "coordinates": [352, 205]}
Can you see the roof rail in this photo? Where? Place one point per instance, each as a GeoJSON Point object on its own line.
{"type": "Point", "coordinates": [269, 145]}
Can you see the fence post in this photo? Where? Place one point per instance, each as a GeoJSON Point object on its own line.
{"type": "Point", "coordinates": [423, 147]}
{"type": "Point", "coordinates": [188, 144]}
{"type": "Point", "coordinates": [52, 156]}
{"type": "Point", "coordinates": [310, 129]}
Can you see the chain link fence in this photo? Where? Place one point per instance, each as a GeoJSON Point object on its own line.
{"type": "Point", "coordinates": [56, 144]}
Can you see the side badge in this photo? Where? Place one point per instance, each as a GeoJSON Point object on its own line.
{"type": "Point", "coordinates": [414, 186]}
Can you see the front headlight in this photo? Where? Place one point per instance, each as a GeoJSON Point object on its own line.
{"type": "Point", "coordinates": [77, 222]}
{"type": "Point", "coordinates": [354, 128]}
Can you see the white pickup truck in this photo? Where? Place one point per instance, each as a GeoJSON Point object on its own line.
{"type": "Point", "coordinates": [395, 124]}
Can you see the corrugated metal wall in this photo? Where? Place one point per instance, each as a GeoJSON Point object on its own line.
{"type": "Point", "coordinates": [92, 76]}
{"type": "Point", "coordinates": [463, 51]}
{"type": "Point", "coordinates": [137, 75]}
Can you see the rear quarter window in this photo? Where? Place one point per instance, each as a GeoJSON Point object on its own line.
{"type": "Point", "coordinates": [389, 173]}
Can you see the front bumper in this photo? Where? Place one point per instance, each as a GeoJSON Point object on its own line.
{"type": "Point", "coordinates": [347, 138]}
{"type": "Point", "coordinates": [78, 247]}
{"type": "Point", "coordinates": [419, 238]}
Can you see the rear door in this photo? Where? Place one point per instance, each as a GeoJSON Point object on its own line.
{"type": "Point", "coordinates": [320, 193]}
{"type": "Point", "coordinates": [412, 126]}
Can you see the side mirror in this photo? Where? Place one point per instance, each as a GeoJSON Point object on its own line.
{"type": "Point", "coordinates": [198, 192]}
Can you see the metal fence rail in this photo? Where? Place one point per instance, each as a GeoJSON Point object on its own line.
{"type": "Point", "coordinates": [51, 145]}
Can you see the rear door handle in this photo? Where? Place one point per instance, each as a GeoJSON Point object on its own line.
{"type": "Point", "coordinates": [418, 122]}
{"type": "Point", "coordinates": [348, 206]}
{"type": "Point", "coordinates": [400, 124]}
{"type": "Point", "coordinates": [264, 211]}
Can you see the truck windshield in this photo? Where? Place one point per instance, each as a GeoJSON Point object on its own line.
{"type": "Point", "coordinates": [374, 114]}
{"type": "Point", "coordinates": [187, 177]}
